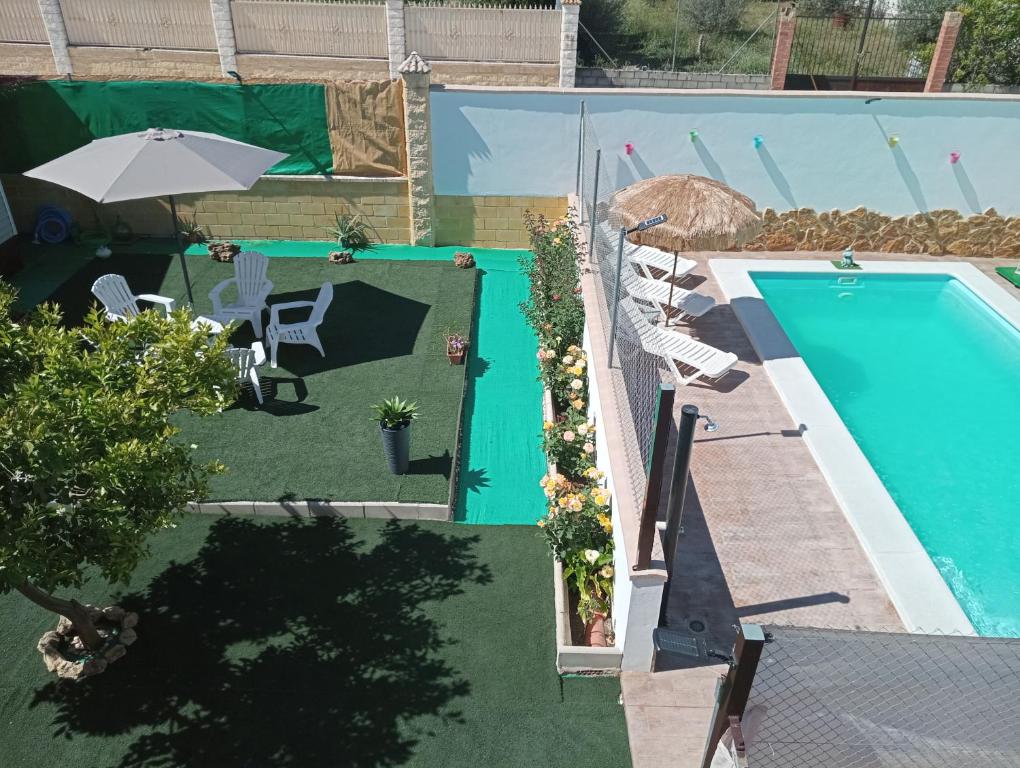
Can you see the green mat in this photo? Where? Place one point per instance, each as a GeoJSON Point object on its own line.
{"type": "Point", "coordinates": [501, 461]}
{"type": "Point", "coordinates": [1010, 274]}
{"type": "Point", "coordinates": [318, 644]}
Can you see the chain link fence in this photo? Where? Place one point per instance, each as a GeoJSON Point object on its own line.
{"type": "Point", "coordinates": [640, 373]}
{"type": "Point", "coordinates": [852, 699]}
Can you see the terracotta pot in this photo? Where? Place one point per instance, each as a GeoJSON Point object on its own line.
{"type": "Point", "coordinates": [456, 356]}
{"type": "Point", "coordinates": [595, 631]}
{"type": "Point", "coordinates": [840, 19]}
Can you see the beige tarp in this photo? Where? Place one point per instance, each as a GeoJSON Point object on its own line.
{"type": "Point", "coordinates": [366, 128]}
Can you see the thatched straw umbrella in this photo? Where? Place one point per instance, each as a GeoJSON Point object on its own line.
{"type": "Point", "coordinates": [702, 215]}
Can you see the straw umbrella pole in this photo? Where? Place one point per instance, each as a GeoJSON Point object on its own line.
{"type": "Point", "coordinates": [702, 215]}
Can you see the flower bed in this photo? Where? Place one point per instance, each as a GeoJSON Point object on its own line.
{"type": "Point", "coordinates": [577, 522]}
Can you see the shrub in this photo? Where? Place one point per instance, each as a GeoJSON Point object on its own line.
{"type": "Point", "coordinates": [713, 15]}
{"type": "Point", "coordinates": [554, 307]}
{"type": "Point", "coordinates": [570, 444]}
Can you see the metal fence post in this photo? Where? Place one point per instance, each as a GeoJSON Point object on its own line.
{"type": "Point", "coordinates": [655, 471]}
{"type": "Point", "coordinates": [736, 689]}
{"type": "Point", "coordinates": [594, 202]}
{"type": "Point", "coordinates": [616, 295]}
{"type": "Point", "coordinates": [580, 154]}
{"type": "Point", "coordinates": [860, 46]}
{"type": "Point", "coordinates": [677, 492]}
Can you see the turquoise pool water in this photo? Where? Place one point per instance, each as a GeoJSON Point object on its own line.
{"type": "Point", "coordinates": [926, 377]}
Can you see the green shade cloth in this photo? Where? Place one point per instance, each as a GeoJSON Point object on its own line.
{"type": "Point", "coordinates": [44, 120]}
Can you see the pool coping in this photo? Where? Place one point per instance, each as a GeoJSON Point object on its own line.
{"type": "Point", "coordinates": [917, 590]}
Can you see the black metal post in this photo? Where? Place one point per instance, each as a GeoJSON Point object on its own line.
{"type": "Point", "coordinates": [655, 471]}
{"type": "Point", "coordinates": [180, 250]}
{"type": "Point", "coordinates": [594, 205]}
{"type": "Point", "coordinates": [616, 294]}
{"type": "Point", "coordinates": [736, 689]}
{"type": "Point", "coordinates": [677, 491]}
{"type": "Point", "coordinates": [860, 46]}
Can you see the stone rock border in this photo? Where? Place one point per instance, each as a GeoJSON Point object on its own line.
{"type": "Point", "coordinates": [938, 232]}
{"type": "Point", "coordinates": [52, 645]}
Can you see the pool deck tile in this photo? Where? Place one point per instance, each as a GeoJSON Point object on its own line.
{"type": "Point", "coordinates": [764, 538]}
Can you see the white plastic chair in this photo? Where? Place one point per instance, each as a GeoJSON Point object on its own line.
{"type": "Point", "coordinates": [660, 294]}
{"type": "Point", "coordinates": [304, 332]}
{"type": "Point", "coordinates": [245, 363]}
{"type": "Point", "coordinates": [253, 288]}
{"type": "Point", "coordinates": [120, 303]}
{"type": "Point", "coordinates": [671, 345]}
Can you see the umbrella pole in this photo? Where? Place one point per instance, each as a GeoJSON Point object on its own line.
{"type": "Point", "coordinates": [669, 302]}
{"type": "Point", "coordinates": [180, 250]}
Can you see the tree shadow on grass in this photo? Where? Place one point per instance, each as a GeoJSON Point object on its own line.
{"type": "Point", "coordinates": [284, 644]}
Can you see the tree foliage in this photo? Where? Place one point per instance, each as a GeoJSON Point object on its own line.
{"type": "Point", "coordinates": [989, 45]}
{"type": "Point", "coordinates": [713, 15]}
{"type": "Point", "coordinates": [89, 463]}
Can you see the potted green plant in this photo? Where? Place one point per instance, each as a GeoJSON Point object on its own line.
{"type": "Point", "coordinates": [395, 417]}
{"type": "Point", "coordinates": [351, 233]}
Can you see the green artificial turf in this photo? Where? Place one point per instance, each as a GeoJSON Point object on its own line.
{"type": "Point", "coordinates": [314, 437]}
{"type": "Point", "coordinates": [1012, 274]}
{"type": "Point", "coordinates": [323, 642]}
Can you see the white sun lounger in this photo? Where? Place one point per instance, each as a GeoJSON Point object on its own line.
{"type": "Point", "coordinates": [673, 346]}
{"type": "Point", "coordinates": [657, 293]}
{"type": "Point", "coordinates": [646, 257]}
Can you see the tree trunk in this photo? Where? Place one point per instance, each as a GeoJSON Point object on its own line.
{"type": "Point", "coordinates": [72, 610]}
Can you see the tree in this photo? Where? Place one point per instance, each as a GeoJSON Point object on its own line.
{"type": "Point", "coordinates": [713, 15]}
{"type": "Point", "coordinates": [989, 45]}
{"type": "Point", "coordinates": [89, 461]}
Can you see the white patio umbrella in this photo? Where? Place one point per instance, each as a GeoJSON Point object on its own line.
{"type": "Point", "coordinates": [159, 162]}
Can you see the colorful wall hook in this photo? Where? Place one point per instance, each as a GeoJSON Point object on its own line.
{"type": "Point", "coordinates": [758, 141]}
{"type": "Point", "coordinates": [954, 158]}
{"type": "Point", "coordinates": [628, 148]}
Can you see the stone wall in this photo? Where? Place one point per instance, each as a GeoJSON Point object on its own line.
{"type": "Point", "coordinates": [490, 222]}
{"type": "Point", "coordinates": [937, 232]}
{"type": "Point", "coordinates": [598, 77]}
{"type": "Point", "coordinates": [287, 209]}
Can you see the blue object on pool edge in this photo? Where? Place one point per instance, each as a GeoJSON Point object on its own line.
{"type": "Point", "coordinates": [52, 224]}
{"type": "Point", "coordinates": [925, 377]}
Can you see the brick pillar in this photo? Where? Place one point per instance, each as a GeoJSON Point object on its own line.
{"type": "Point", "coordinates": [569, 10]}
{"type": "Point", "coordinates": [57, 33]}
{"type": "Point", "coordinates": [784, 45]}
{"type": "Point", "coordinates": [418, 130]}
{"type": "Point", "coordinates": [395, 42]}
{"type": "Point", "coordinates": [939, 69]}
{"type": "Point", "coordinates": [223, 25]}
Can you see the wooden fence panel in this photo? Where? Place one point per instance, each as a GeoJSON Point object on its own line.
{"type": "Point", "coordinates": [174, 24]}
{"type": "Point", "coordinates": [310, 29]}
{"type": "Point", "coordinates": [483, 34]}
{"type": "Point", "coordinates": [21, 22]}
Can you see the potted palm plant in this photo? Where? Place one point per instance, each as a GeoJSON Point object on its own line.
{"type": "Point", "coordinates": [395, 417]}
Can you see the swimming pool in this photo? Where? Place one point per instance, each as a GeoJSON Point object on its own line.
{"type": "Point", "coordinates": [926, 378]}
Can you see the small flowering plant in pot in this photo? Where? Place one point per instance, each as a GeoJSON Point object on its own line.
{"type": "Point", "coordinates": [456, 348]}
{"type": "Point", "coordinates": [395, 417]}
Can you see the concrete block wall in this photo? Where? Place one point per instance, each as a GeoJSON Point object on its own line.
{"type": "Point", "coordinates": [599, 77]}
{"type": "Point", "coordinates": [274, 209]}
{"type": "Point", "coordinates": [492, 221]}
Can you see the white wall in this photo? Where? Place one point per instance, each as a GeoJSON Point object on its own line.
{"type": "Point", "coordinates": [819, 151]}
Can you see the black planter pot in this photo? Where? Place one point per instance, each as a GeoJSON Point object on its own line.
{"type": "Point", "coordinates": [397, 447]}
